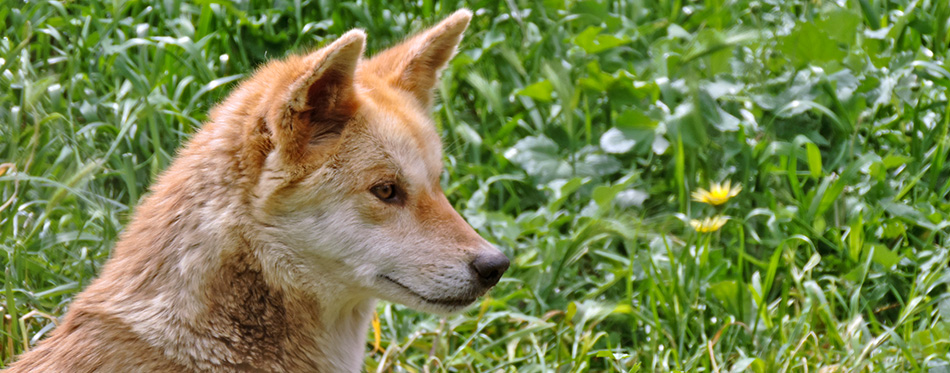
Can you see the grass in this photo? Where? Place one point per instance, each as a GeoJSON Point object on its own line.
{"type": "Point", "coordinates": [576, 133]}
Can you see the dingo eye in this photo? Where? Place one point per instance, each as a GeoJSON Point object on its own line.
{"type": "Point", "coordinates": [386, 192]}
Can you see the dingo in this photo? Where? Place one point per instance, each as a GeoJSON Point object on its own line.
{"type": "Point", "coordinates": [312, 191]}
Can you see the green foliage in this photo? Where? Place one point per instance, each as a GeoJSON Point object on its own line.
{"type": "Point", "coordinates": [576, 133]}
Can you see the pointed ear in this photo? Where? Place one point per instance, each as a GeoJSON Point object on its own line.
{"type": "Point", "coordinates": [320, 95]}
{"type": "Point", "coordinates": [414, 65]}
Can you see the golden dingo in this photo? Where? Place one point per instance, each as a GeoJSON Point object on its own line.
{"type": "Point", "coordinates": [312, 191]}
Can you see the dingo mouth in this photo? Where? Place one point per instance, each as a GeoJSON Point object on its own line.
{"type": "Point", "coordinates": [454, 302]}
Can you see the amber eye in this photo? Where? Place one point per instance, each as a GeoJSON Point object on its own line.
{"type": "Point", "coordinates": [386, 192]}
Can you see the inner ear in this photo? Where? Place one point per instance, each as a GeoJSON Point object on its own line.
{"type": "Point", "coordinates": [414, 65]}
{"type": "Point", "coordinates": [333, 90]}
{"type": "Point", "coordinates": [320, 98]}
{"type": "Point", "coordinates": [330, 103]}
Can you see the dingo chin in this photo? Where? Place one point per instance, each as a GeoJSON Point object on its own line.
{"type": "Point", "coordinates": [312, 191]}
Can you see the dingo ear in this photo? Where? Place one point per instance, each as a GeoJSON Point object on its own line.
{"type": "Point", "coordinates": [414, 64]}
{"type": "Point", "coordinates": [322, 96]}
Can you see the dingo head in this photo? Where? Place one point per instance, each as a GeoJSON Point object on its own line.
{"type": "Point", "coordinates": [349, 173]}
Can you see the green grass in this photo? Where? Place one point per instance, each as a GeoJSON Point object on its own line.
{"type": "Point", "coordinates": [576, 132]}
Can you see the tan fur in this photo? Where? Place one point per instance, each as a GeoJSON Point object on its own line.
{"type": "Point", "coordinates": [262, 247]}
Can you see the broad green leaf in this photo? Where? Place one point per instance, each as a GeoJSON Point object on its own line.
{"type": "Point", "coordinates": [597, 165]}
{"type": "Point", "coordinates": [539, 157]}
{"type": "Point", "coordinates": [808, 44]}
{"type": "Point", "coordinates": [615, 141]}
{"type": "Point", "coordinates": [633, 128]}
{"type": "Point", "coordinates": [841, 25]}
{"type": "Point", "coordinates": [541, 91]}
{"type": "Point", "coordinates": [884, 256]}
{"type": "Point", "coordinates": [593, 42]}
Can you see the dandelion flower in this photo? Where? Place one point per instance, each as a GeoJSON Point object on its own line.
{"type": "Point", "coordinates": [717, 193]}
{"type": "Point", "coordinates": [709, 224]}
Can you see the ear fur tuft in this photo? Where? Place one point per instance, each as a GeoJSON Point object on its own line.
{"type": "Point", "coordinates": [333, 65]}
{"type": "Point", "coordinates": [414, 65]}
{"type": "Point", "coordinates": [319, 94]}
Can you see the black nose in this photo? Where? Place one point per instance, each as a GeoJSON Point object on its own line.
{"type": "Point", "coordinates": [490, 266]}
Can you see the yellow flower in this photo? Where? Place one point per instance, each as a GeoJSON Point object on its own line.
{"type": "Point", "coordinates": [717, 194]}
{"type": "Point", "coordinates": [709, 224]}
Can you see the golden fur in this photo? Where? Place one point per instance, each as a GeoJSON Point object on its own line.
{"type": "Point", "coordinates": [265, 244]}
